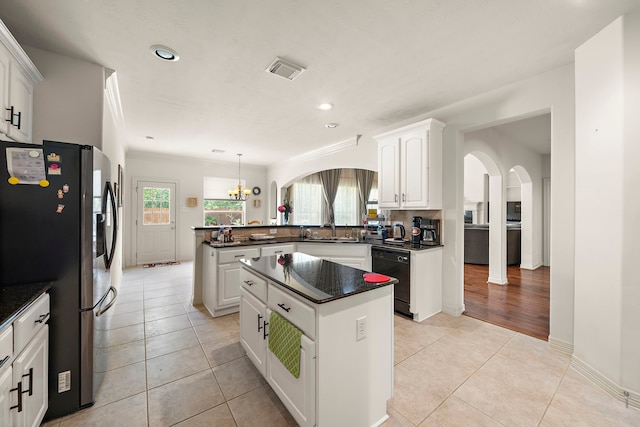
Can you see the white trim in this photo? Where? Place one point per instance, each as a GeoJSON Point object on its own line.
{"type": "Point", "coordinates": [414, 127]}
{"type": "Point", "coordinates": [561, 346]}
{"type": "Point", "coordinates": [112, 92]}
{"type": "Point", "coordinates": [328, 149]}
{"type": "Point", "coordinates": [19, 54]}
{"type": "Point", "coordinates": [497, 281]}
{"type": "Point", "coordinates": [614, 390]}
{"type": "Point", "coordinates": [535, 267]}
{"type": "Point", "coordinates": [453, 311]}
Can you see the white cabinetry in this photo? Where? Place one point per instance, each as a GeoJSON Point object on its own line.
{"type": "Point", "coordinates": [17, 78]}
{"type": "Point", "coordinates": [410, 166]}
{"type": "Point", "coordinates": [351, 254]}
{"type": "Point", "coordinates": [23, 383]}
{"type": "Point", "coordinates": [342, 381]}
{"type": "Point", "coordinates": [426, 283]}
{"type": "Point", "coordinates": [277, 249]}
{"type": "Point", "coordinates": [221, 278]}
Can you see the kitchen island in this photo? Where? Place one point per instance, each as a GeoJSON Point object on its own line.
{"type": "Point", "coordinates": [345, 374]}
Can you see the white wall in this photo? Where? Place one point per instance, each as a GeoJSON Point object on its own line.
{"type": "Point", "coordinates": [188, 174]}
{"type": "Point", "coordinates": [607, 298]}
{"type": "Point", "coordinates": [68, 103]}
{"type": "Point", "coordinates": [474, 172]}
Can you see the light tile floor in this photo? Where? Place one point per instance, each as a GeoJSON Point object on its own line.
{"type": "Point", "coordinates": [170, 363]}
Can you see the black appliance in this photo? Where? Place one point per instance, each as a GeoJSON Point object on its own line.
{"type": "Point", "coordinates": [416, 231]}
{"type": "Point", "coordinates": [58, 223]}
{"type": "Point", "coordinates": [514, 211]}
{"type": "Point", "coordinates": [395, 263]}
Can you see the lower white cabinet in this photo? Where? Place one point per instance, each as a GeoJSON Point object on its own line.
{"type": "Point", "coordinates": [30, 371]}
{"type": "Point", "coordinates": [426, 283]}
{"type": "Point", "coordinates": [277, 249]}
{"type": "Point", "coordinates": [353, 255]}
{"type": "Point", "coordinates": [253, 321]}
{"type": "Point", "coordinates": [24, 378]}
{"type": "Point", "coordinates": [221, 278]}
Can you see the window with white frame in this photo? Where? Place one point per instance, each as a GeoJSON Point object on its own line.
{"type": "Point", "coordinates": [219, 209]}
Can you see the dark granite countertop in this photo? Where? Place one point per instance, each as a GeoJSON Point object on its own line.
{"type": "Point", "coordinates": [15, 298]}
{"type": "Point", "coordinates": [315, 279]}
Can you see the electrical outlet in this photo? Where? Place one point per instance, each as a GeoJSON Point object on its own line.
{"type": "Point", "coordinates": [273, 231]}
{"type": "Point", "coordinates": [361, 328]}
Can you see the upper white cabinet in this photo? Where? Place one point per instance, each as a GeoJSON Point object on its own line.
{"type": "Point", "coordinates": [410, 166]}
{"type": "Point", "coordinates": [18, 75]}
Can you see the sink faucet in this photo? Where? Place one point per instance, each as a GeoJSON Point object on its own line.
{"type": "Point", "coordinates": [333, 228]}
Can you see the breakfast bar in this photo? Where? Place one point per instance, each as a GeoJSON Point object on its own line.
{"type": "Point", "coordinates": [321, 333]}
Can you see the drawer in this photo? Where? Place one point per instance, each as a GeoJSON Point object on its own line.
{"type": "Point", "coordinates": [294, 310]}
{"type": "Point", "coordinates": [233, 255]}
{"type": "Point", "coordinates": [30, 323]}
{"type": "Point", "coordinates": [253, 283]}
{"type": "Point", "coordinates": [6, 346]}
{"type": "Point", "coordinates": [277, 249]}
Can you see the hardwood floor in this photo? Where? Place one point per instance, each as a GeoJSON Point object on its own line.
{"type": "Point", "coordinates": [522, 305]}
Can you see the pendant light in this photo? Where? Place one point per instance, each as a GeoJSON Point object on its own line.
{"type": "Point", "coordinates": [238, 193]}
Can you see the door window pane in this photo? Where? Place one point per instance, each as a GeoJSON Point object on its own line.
{"type": "Point", "coordinates": [156, 206]}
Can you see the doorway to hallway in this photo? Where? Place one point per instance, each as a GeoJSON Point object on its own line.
{"type": "Point", "coordinates": [522, 305]}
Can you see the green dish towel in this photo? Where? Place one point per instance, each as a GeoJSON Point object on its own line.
{"type": "Point", "coordinates": [284, 342]}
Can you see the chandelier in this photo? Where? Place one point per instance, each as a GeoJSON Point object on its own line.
{"type": "Point", "coordinates": [238, 193]}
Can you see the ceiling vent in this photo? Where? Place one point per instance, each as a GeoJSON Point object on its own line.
{"type": "Point", "coordinates": [283, 68]}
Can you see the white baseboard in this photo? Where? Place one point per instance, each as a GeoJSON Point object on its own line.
{"type": "Point", "coordinates": [453, 311]}
{"type": "Point", "coordinates": [561, 346]}
{"type": "Point", "coordinates": [627, 397]}
{"type": "Point", "coordinates": [528, 267]}
{"type": "Point", "coordinates": [497, 281]}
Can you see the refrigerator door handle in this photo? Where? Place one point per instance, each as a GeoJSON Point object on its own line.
{"type": "Point", "coordinates": [108, 193]}
{"type": "Point", "coordinates": [102, 310]}
{"type": "Point", "coordinates": [110, 304]}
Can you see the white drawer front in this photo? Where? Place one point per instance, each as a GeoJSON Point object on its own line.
{"type": "Point", "coordinates": [6, 346]}
{"type": "Point", "coordinates": [256, 285]}
{"type": "Point", "coordinates": [232, 255]}
{"type": "Point", "coordinates": [277, 249]}
{"type": "Point", "coordinates": [294, 310]}
{"type": "Point", "coordinates": [30, 322]}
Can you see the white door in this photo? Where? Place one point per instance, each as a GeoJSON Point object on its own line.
{"type": "Point", "coordinates": [31, 368]}
{"type": "Point", "coordinates": [156, 222]}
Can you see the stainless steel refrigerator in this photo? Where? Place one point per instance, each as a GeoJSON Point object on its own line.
{"type": "Point", "coordinates": [58, 223]}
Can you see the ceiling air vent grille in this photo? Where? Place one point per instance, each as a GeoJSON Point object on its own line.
{"type": "Point", "coordinates": [283, 68]}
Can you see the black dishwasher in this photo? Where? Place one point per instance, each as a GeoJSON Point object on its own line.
{"type": "Point", "coordinates": [395, 263]}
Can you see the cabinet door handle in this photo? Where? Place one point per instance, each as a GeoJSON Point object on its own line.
{"type": "Point", "coordinates": [278, 252]}
{"type": "Point", "coordinates": [43, 318]}
{"type": "Point", "coordinates": [10, 119]}
{"type": "Point", "coordinates": [249, 282]}
{"type": "Point", "coordinates": [30, 375]}
{"type": "Point", "coordinates": [395, 198]}
{"type": "Point", "coordinates": [19, 119]}
{"type": "Point", "coordinates": [19, 390]}
{"type": "Point", "coordinates": [264, 330]}
{"type": "Point", "coordinates": [284, 307]}
{"type": "Point", "coordinates": [404, 197]}
{"type": "Point", "coordinates": [259, 327]}
{"type": "Point", "coordinates": [239, 256]}
{"type": "Point", "coordinates": [3, 361]}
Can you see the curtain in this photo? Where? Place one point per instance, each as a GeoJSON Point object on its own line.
{"type": "Point", "coordinates": [365, 182]}
{"type": "Point", "coordinates": [330, 180]}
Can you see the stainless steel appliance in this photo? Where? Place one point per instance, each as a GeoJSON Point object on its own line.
{"type": "Point", "coordinates": [430, 232]}
{"type": "Point", "coordinates": [395, 263]}
{"type": "Point", "coordinates": [58, 223]}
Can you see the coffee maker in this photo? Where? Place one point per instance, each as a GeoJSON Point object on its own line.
{"type": "Point", "coordinates": [430, 234]}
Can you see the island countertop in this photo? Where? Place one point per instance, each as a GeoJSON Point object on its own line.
{"type": "Point", "coordinates": [319, 281]}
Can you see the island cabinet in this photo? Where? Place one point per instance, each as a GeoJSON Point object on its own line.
{"type": "Point", "coordinates": [410, 166]}
{"type": "Point", "coordinates": [24, 362]}
{"type": "Point", "coordinates": [221, 277]}
{"type": "Point", "coordinates": [346, 347]}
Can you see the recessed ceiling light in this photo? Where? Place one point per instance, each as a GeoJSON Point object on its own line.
{"type": "Point", "coordinates": [165, 53]}
{"type": "Point", "coordinates": [217, 151]}
{"type": "Point", "coordinates": [325, 106]}
{"type": "Point", "coordinates": [150, 138]}
{"type": "Point", "coordinates": [332, 125]}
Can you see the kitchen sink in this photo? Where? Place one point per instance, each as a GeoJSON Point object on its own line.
{"type": "Point", "coordinates": [330, 239]}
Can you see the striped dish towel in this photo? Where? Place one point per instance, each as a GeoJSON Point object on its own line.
{"type": "Point", "coordinates": [284, 342]}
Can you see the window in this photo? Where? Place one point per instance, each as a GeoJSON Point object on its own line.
{"type": "Point", "coordinates": [156, 206]}
{"type": "Point", "coordinates": [218, 208]}
{"type": "Point", "coordinates": [308, 201]}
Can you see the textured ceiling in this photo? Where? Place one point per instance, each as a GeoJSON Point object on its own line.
{"type": "Point", "coordinates": [377, 61]}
